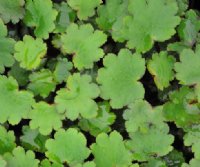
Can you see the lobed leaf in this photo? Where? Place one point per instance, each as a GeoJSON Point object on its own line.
{"type": "Point", "coordinates": [78, 98]}
{"type": "Point", "coordinates": [73, 150]}
{"type": "Point", "coordinates": [85, 8]}
{"type": "Point", "coordinates": [12, 10]}
{"type": "Point", "coordinates": [29, 52]}
{"type": "Point", "coordinates": [161, 67]}
{"type": "Point", "coordinates": [122, 73]}
{"type": "Point", "coordinates": [86, 52]}
{"type": "Point", "coordinates": [110, 151]}
{"type": "Point", "coordinates": [41, 15]}
{"type": "Point", "coordinates": [15, 104]}
{"type": "Point", "coordinates": [45, 118]}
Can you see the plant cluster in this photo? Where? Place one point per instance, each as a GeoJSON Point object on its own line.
{"type": "Point", "coordinates": [87, 83]}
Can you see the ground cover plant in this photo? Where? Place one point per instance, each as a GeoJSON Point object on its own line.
{"type": "Point", "coordinates": [92, 83]}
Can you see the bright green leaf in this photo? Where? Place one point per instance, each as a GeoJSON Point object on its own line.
{"type": "Point", "coordinates": [20, 158]}
{"type": "Point", "coordinates": [140, 116]}
{"type": "Point", "coordinates": [101, 123]}
{"type": "Point", "coordinates": [2, 162]}
{"type": "Point", "coordinates": [110, 151]}
{"type": "Point", "coordinates": [3, 29]}
{"type": "Point", "coordinates": [77, 98]}
{"type": "Point", "coordinates": [7, 140]}
{"type": "Point", "coordinates": [46, 163]}
{"type": "Point", "coordinates": [87, 164]}
{"type": "Point", "coordinates": [68, 146]}
{"type": "Point", "coordinates": [188, 68]}
{"type": "Point", "coordinates": [6, 49]}
{"type": "Point", "coordinates": [142, 144]}
{"type": "Point", "coordinates": [147, 22]}
{"type": "Point", "coordinates": [86, 52]}
{"type": "Point", "coordinates": [15, 104]}
{"type": "Point", "coordinates": [161, 67]}
{"type": "Point", "coordinates": [193, 163]}
{"type": "Point", "coordinates": [41, 15]}
{"type": "Point", "coordinates": [29, 52]}
{"type": "Point", "coordinates": [84, 8]}
{"type": "Point", "coordinates": [119, 78]}
{"type": "Point", "coordinates": [197, 91]}
{"type": "Point", "coordinates": [193, 139]}
{"type": "Point", "coordinates": [45, 118]}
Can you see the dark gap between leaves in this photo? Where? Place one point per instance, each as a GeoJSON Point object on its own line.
{"type": "Point", "coordinates": [151, 92]}
{"type": "Point", "coordinates": [119, 124]}
{"type": "Point", "coordinates": [194, 4]}
{"type": "Point", "coordinates": [178, 144]}
{"type": "Point", "coordinates": [18, 129]}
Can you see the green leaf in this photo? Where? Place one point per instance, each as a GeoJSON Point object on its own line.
{"type": "Point", "coordinates": [193, 139]}
{"type": "Point", "coordinates": [41, 15]}
{"type": "Point", "coordinates": [107, 14]}
{"type": "Point", "coordinates": [142, 144]}
{"type": "Point", "coordinates": [7, 47]}
{"type": "Point", "coordinates": [42, 83]}
{"type": "Point", "coordinates": [177, 47]}
{"type": "Point", "coordinates": [46, 163]}
{"type": "Point", "coordinates": [84, 8]}
{"type": "Point", "coordinates": [86, 52]}
{"type": "Point", "coordinates": [193, 163]}
{"type": "Point", "coordinates": [29, 52]}
{"type": "Point", "coordinates": [61, 71]}
{"type": "Point", "coordinates": [174, 158]}
{"type": "Point", "coordinates": [101, 123]}
{"type": "Point", "coordinates": [197, 91]}
{"type": "Point", "coordinates": [2, 162]}
{"type": "Point", "coordinates": [182, 6]}
{"type": "Point", "coordinates": [146, 126]}
{"type": "Point", "coordinates": [189, 28]}
{"type": "Point", "coordinates": [77, 98]}
{"type": "Point", "coordinates": [141, 116]}
{"type": "Point", "coordinates": [187, 68]}
{"type": "Point", "coordinates": [20, 158]}
{"type": "Point", "coordinates": [147, 22]}
{"type": "Point", "coordinates": [110, 151]}
{"type": "Point", "coordinates": [134, 165]}
{"type": "Point", "coordinates": [154, 163]}
{"type": "Point", "coordinates": [161, 67]}
{"type": "Point", "coordinates": [15, 104]}
{"type": "Point", "coordinates": [122, 73]}
{"type": "Point", "coordinates": [45, 118]}
{"type": "Point", "coordinates": [73, 150]}
{"type": "Point", "coordinates": [33, 140]}
{"type": "Point", "coordinates": [20, 74]}
{"type": "Point", "coordinates": [56, 42]}
{"type": "Point", "coordinates": [7, 141]}
{"type": "Point", "coordinates": [3, 29]}
{"type": "Point", "coordinates": [87, 164]}
{"type": "Point", "coordinates": [64, 18]}
{"type": "Point", "coordinates": [176, 110]}
{"type": "Point", "coordinates": [11, 10]}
